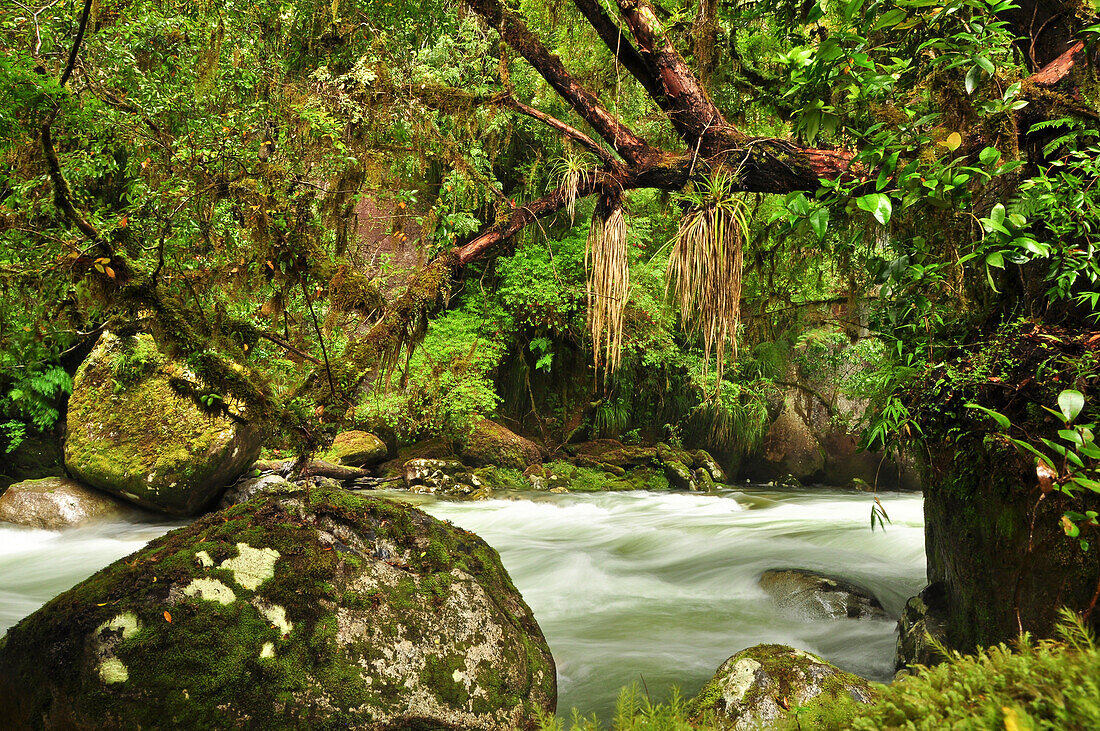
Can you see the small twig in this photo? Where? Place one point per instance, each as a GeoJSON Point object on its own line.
{"type": "Point", "coordinates": [283, 344]}
{"type": "Point", "coordinates": [320, 337]}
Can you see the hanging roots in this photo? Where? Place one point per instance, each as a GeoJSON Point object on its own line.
{"type": "Point", "coordinates": [704, 270]}
{"type": "Point", "coordinates": [608, 282]}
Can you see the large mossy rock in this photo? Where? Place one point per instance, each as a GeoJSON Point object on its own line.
{"type": "Point", "coordinates": [347, 612]}
{"type": "Point", "coordinates": [357, 448]}
{"type": "Point", "coordinates": [492, 444]}
{"type": "Point", "coordinates": [55, 502]}
{"type": "Point", "coordinates": [131, 434]}
{"type": "Point", "coordinates": [761, 685]}
{"type": "Point", "coordinates": [812, 595]}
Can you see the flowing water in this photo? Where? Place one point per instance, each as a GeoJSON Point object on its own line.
{"type": "Point", "coordinates": [652, 588]}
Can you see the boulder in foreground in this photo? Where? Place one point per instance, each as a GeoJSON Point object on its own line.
{"type": "Point", "coordinates": [763, 684]}
{"type": "Point", "coordinates": [344, 612]}
{"type": "Point", "coordinates": [132, 435]}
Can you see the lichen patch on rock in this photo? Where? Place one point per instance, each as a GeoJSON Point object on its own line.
{"type": "Point", "coordinates": [211, 590]}
{"type": "Point", "coordinates": [252, 566]}
{"type": "Point", "coordinates": [112, 670]}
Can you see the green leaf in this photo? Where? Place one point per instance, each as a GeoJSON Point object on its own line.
{"type": "Point", "coordinates": [972, 77]}
{"type": "Point", "coordinates": [878, 205]}
{"type": "Point", "coordinates": [989, 156]}
{"type": "Point", "coordinates": [1071, 402]}
{"type": "Point", "coordinates": [995, 259]}
{"type": "Point", "coordinates": [998, 214]}
{"type": "Point", "coordinates": [819, 222]}
{"type": "Point", "coordinates": [1000, 418]}
{"type": "Point", "coordinates": [889, 19]}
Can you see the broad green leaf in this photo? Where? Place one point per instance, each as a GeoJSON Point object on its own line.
{"type": "Point", "coordinates": [972, 76]}
{"type": "Point", "coordinates": [998, 213]}
{"type": "Point", "coordinates": [889, 19]}
{"type": "Point", "coordinates": [819, 222]}
{"type": "Point", "coordinates": [1071, 402]}
{"type": "Point", "coordinates": [878, 205]}
{"type": "Point", "coordinates": [989, 155]}
{"type": "Point", "coordinates": [995, 259]}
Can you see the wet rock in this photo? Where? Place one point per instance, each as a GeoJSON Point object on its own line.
{"type": "Point", "coordinates": [442, 476]}
{"type": "Point", "coordinates": [679, 476]}
{"type": "Point", "coordinates": [132, 435]}
{"type": "Point", "coordinates": [248, 488]}
{"type": "Point", "coordinates": [279, 614]}
{"type": "Point", "coordinates": [438, 448]}
{"type": "Point", "coordinates": [818, 596]}
{"type": "Point", "coordinates": [55, 502]}
{"type": "Point", "coordinates": [703, 460]}
{"type": "Point", "coordinates": [922, 626]}
{"type": "Point", "coordinates": [760, 686]}
{"type": "Point", "coordinates": [357, 449]}
{"type": "Point", "coordinates": [703, 481]}
{"type": "Point", "coordinates": [492, 444]}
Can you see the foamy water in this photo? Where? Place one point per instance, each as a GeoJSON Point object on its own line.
{"type": "Point", "coordinates": [655, 588]}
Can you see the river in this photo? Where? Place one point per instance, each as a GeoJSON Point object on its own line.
{"type": "Point", "coordinates": [652, 588]}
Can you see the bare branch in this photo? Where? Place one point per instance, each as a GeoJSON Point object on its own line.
{"type": "Point", "coordinates": [516, 34]}
{"type": "Point", "coordinates": [571, 132]}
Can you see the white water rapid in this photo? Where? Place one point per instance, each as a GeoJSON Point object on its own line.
{"type": "Point", "coordinates": [653, 588]}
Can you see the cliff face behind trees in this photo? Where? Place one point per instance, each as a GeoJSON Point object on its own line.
{"type": "Point", "coordinates": [194, 170]}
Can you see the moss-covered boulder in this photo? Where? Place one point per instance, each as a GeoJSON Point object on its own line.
{"type": "Point", "coordinates": [344, 612]}
{"type": "Point", "coordinates": [131, 434]}
{"type": "Point", "coordinates": [357, 448]}
{"type": "Point", "coordinates": [812, 595]}
{"type": "Point", "coordinates": [491, 443]}
{"type": "Point", "coordinates": [761, 685]}
{"type": "Point", "coordinates": [55, 502]}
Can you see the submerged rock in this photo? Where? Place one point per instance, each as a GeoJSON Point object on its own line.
{"type": "Point", "coordinates": [348, 611]}
{"type": "Point", "coordinates": [492, 444]}
{"type": "Point", "coordinates": [761, 685]}
{"type": "Point", "coordinates": [131, 434]}
{"type": "Point", "coordinates": [819, 596]}
{"type": "Point", "coordinates": [54, 502]}
{"type": "Point", "coordinates": [357, 448]}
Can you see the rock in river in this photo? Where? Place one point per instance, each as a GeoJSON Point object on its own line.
{"type": "Point", "coordinates": [818, 596]}
{"type": "Point", "coordinates": [131, 434]}
{"type": "Point", "coordinates": [761, 685]}
{"type": "Point", "coordinates": [344, 612]}
{"type": "Point", "coordinates": [55, 502]}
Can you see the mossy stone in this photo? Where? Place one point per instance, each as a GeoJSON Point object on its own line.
{"type": "Point", "coordinates": [492, 444]}
{"type": "Point", "coordinates": [132, 435]}
{"type": "Point", "coordinates": [759, 686]}
{"type": "Point", "coordinates": [287, 612]}
{"type": "Point", "coordinates": [357, 448]}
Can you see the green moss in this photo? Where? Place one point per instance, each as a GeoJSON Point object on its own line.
{"type": "Point", "coordinates": [140, 438]}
